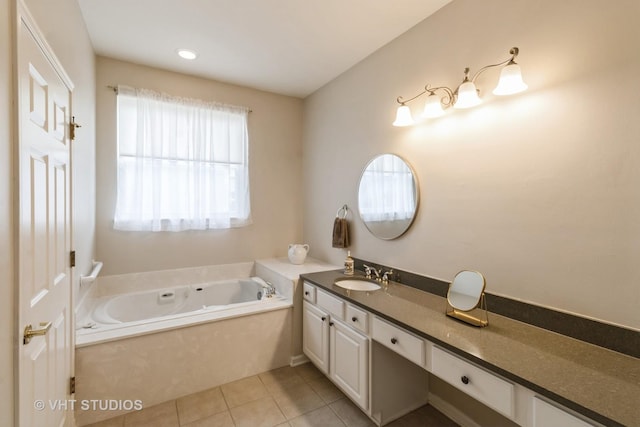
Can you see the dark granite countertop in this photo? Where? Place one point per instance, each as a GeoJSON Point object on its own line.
{"type": "Point", "coordinates": [601, 384]}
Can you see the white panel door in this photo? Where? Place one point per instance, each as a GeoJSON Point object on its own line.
{"type": "Point", "coordinates": [315, 336]}
{"type": "Point", "coordinates": [349, 362]}
{"type": "Point", "coordinates": [44, 234]}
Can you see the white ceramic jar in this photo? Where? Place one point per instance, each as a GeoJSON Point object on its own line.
{"type": "Point", "coordinates": [297, 253]}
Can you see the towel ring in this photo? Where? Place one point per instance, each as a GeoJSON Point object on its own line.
{"type": "Point", "coordinates": [345, 210]}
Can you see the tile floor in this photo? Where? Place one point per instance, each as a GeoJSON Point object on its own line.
{"type": "Point", "coordinates": [285, 397]}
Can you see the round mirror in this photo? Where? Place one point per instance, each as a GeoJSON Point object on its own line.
{"type": "Point", "coordinates": [388, 196]}
{"type": "Point", "coordinates": [465, 290]}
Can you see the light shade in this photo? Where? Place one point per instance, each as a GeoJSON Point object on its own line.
{"type": "Point", "coordinates": [467, 96]}
{"type": "Point", "coordinates": [403, 116]}
{"type": "Point", "coordinates": [433, 107]}
{"type": "Point", "coordinates": [510, 80]}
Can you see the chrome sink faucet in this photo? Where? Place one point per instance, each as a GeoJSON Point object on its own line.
{"type": "Point", "coordinates": [385, 276]}
{"type": "Point", "coordinates": [381, 276]}
{"type": "Point", "coordinates": [368, 270]}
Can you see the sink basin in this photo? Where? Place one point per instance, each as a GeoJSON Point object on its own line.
{"type": "Point", "coordinates": [357, 285]}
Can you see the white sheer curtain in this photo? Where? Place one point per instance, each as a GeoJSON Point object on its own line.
{"type": "Point", "coordinates": [182, 163]}
{"type": "Point", "coordinates": [387, 191]}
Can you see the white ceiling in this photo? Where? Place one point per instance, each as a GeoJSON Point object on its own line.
{"type": "Point", "coordinates": [291, 47]}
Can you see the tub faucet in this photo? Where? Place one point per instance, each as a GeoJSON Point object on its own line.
{"type": "Point", "coordinates": [269, 289]}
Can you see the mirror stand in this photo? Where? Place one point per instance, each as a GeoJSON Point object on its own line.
{"type": "Point", "coordinates": [467, 316]}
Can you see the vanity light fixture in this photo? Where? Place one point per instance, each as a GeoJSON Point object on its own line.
{"type": "Point", "coordinates": [466, 94]}
{"type": "Point", "coordinates": [187, 54]}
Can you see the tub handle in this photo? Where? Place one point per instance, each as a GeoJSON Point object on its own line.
{"type": "Point", "coordinates": [85, 280]}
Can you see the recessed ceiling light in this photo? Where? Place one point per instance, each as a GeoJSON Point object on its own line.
{"type": "Point", "coordinates": [187, 53]}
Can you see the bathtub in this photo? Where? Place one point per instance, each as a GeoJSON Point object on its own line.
{"type": "Point", "coordinates": [138, 313]}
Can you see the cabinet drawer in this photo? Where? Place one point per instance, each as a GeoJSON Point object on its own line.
{"type": "Point", "coordinates": [398, 340]}
{"type": "Point", "coordinates": [357, 318]}
{"type": "Point", "coordinates": [333, 305]}
{"type": "Point", "coordinates": [547, 415]}
{"type": "Point", "coordinates": [309, 292]}
{"type": "Point", "coordinates": [476, 382]}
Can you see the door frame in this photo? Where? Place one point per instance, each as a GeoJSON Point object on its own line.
{"type": "Point", "coordinates": [22, 16]}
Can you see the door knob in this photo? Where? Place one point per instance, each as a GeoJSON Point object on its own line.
{"type": "Point", "coordinates": [29, 332]}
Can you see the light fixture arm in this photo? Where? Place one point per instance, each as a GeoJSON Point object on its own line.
{"type": "Point", "coordinates": [513, 52]}
{"type": "Point", "coordinates": [400, 100]}
{"type": "Point", "coordinates": [446, 100]}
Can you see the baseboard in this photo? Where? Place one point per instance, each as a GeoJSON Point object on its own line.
{"type": "Point", "coordinates": [451, 411]}
{"type": "Point", "coordinates": [299, 359]}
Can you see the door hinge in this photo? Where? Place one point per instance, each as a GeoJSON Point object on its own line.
{"type": "Point", "coordinates": [72, 385]}
{"type": "Point", "coordinates": [72, 259]}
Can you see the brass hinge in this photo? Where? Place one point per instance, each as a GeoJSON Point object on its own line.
{"type": "Point", "coordinates": [72, 128]}
{"type": "Point", "coordinates": [72, 259]}
{"type": "Point", "coordinates": [72, 385]}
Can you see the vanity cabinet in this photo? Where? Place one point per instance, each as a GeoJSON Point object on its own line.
{"type": "Point", "coordinates": [315, 336]}
{"type": "Point", "coordinates": [337, 349]}
{"type": "Point", "coordinates": [349, 362]}
{"type": "Point", "coordinates": [385, 368]}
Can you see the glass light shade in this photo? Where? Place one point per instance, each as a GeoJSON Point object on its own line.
{"type": "Point", "coordinates": [403, 116]}
{"type": "Point", "coordinates": [433, 106]}
{"type": "Point", "coordinates": [510, 80]}
{"type": "Point", "coordinates": [467, 96]}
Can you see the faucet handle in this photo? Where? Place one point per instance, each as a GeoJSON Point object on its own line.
{"type": "Point", "coordinates": [385, 276]}
{"type": "Point", "coordinates": [367, 271]}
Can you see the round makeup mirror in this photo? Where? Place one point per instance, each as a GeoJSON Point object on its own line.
{"type": "Point", "coordinates": [388, 196]}
{"type": "Point", "coordinates": [466, 293]}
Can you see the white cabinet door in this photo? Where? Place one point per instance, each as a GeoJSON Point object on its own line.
{"type": "Point", "coordinates": [315, 336]}
{"type": "Point", "coordinates": [349, 362]}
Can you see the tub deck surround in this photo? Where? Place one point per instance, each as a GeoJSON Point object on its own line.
{"type": "Point", "coordinates": [601, 384]}
{"type": "Point", "coordinates": [279, 270]}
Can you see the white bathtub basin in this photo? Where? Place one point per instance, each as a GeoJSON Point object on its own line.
{"type": "Point", "coordinates": [357, 285]}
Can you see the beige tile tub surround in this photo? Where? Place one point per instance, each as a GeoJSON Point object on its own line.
{"type": "Point", "coordinates": [149, 280]}
{"type": "Point", "coordinates": [163, 366]}
{"type": "Point", "coordinates": [282, 397]}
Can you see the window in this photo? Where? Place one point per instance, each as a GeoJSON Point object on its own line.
{"type": "Point", "coordinates": [182, 163]}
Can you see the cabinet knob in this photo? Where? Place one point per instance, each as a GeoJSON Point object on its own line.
{"type": "Point", "coordinates": [354, 319]}
{"type": "Point", "coordinates": [393, 340]}
{"type": "Point", "coordinates": [464, 379]}
{"type": "Point", "coordinates": [330, 323]}
{"type": "Point", "coordinates": [306, 293]}
{"type": "Point", "coordinates": [323, 318]}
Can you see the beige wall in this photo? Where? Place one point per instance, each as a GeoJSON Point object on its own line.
{"type": "Point", "coordinates": [275, 135]}
{"type": "Point", "coordinates": [538, 191]}
{"type": "Point", "coordinates": [7, 323]}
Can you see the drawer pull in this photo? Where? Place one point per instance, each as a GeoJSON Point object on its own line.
{"type": "Point", "coordinates": [330, 323]}
{"type": "Point", "coordinates": [354, 319]}
{"type": "Point", "coordinates": [306, 293]}
{"type": "Point", "coordinates": [323, 318]}
{"type": "Point", "coordinates": [394, 340]}
{"type": "Point", "coordinates": [464, 379]}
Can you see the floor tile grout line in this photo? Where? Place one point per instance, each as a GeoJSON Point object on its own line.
{"type": "Point", "coordinates": [288, 420]}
